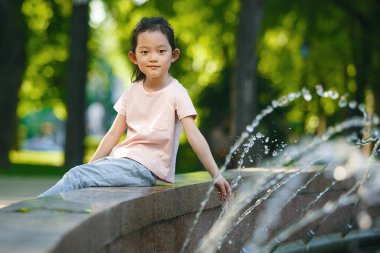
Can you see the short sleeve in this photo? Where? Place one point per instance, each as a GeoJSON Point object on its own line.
{"type": "Point", "coordinates": [121, 104]}
{"type": "Point", "coordinates": [183, 104]}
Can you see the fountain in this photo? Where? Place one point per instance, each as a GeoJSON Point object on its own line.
{"type": "Point", "coordinates": [337, 161]}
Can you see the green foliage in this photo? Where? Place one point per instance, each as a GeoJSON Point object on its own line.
{"type": "Point", "coordinates": [302, 44]}
{"type": "Point", "coordinates": [43, 84]}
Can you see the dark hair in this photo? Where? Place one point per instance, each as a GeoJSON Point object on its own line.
{"type": "Point", "coordinates": [150, 24]}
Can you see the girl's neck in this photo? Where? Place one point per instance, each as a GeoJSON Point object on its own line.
{"type": "Point", "coordinates": [156, 84]}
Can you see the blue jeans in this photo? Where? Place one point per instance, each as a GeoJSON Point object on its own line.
{"type": "Point", "coordinates": [107, 171]}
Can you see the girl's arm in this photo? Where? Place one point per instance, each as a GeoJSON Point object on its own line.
{"type": "Point", "coordinates": [202, 150]}
{"type": "Point", "coordinates": [111, 138]}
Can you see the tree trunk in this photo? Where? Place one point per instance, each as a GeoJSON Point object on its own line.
{"type": "Point", "coordinates": [12, 68]}
{"type": "Point", "coordinates": [244, 85]}
{"type": "Point", "coordinates": [77, 76]}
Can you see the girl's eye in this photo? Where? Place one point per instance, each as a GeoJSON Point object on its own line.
{"type": "Point", "coordinates": [162, 51]}
{"type": "Point", "coordinates": [144, 52]}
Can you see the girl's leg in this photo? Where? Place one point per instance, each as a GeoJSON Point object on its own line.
{"type": "Point", "coordinates": [107, 171]}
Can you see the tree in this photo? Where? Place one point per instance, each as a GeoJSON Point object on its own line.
{"type": "Point", "coordinates": [77, 76]}
{"type": "Point", "coordinates": [244, 85]}
{"type": "Point", "coordinates": [12, 68]}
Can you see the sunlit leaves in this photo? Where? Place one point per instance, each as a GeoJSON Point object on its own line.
{"type": "Point", "coordinates": [97, 13]}
{"type": "Point", "coordinates": [38, 14]}
{"type": "Point", "coordinates": [279, 53]}
{"type": "Point", "coordinates": [43, 81]}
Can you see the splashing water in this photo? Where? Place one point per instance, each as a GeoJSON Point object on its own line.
{"type": "Point", "coordinates": [252, 187]}
{"type": "Point", "coordinates": [247, 194]}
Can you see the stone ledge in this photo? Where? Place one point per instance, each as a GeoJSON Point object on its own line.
{"type": "Point", "coordinates": [97, 216]}
{"type": "Point", "coordinates": [107, 219]}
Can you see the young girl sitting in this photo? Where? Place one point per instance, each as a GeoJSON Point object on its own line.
{"type": "Point", "coordinates": [153, 110]}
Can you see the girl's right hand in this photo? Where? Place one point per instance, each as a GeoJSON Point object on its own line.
{"type": "Point", "coordinates": [223, 187]}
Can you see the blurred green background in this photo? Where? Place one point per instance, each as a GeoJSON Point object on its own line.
{"type": "Point", "coordinates": [65, 61]}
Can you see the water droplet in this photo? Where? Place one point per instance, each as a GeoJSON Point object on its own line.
{"type": "Point", "coordinates": [361, 107]}
{"type": "Point", "coordinates": [259, 135]}
{"type": "Point", "coordinates": [268, 110]}
{"type": "Point", "coordinates": [342, 101]}
{"type": "Point", "coordinates": [333, 94]}
{"type": "Point", "coordinates": [375, 119]}
{"type": "Point", "coordinates": [340, 173]}
{"type": "Point", "coordinates": [319, 90]}
{"type": "Point", "coordinates": [267, 140]}
{"type": "Point", "coordinates": [274, 153]}
{"type": "Point", "coordinates": [275, 104]}
{"type": "Point", "coordinates": [352, 104]}
{"type": "Point", "coordinates": [249, 128]}
{"type": "Point", "coordinates": [230, 242]}
{"type": "Point", "coordinates": [306, 94]}
{"type": "Point", "coordinates": [292, 96]}
{"type": "Point", "coordinates": [283, 101]}
{"type": "Point", "coordinates": [245, 135]}
{"type": "Point", "coordinates": [364, 220]}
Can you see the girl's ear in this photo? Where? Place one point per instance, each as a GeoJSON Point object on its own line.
{"type": "Point", "coordinates": [132, 57]}
{"type": "Point", "coordinates": [175, 54]}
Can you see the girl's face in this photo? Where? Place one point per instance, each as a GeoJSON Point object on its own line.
{"type": "Point", "coordinates": [153, 54]}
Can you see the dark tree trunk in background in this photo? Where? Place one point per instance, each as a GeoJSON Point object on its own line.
{"type": "Point", "coordinates": [77, 76]}
{"type": "Point", "coordinates": [244, 85]}
{"type": "Point", "coordinates": [12, 68]}
{"type": "Point", "coordinates": [244, 90]}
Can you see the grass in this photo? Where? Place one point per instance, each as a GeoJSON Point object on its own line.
{"type": "Point", "coordinates": [50, 158]}
{"type": "Point", "coordinates": [34, 163]}
{"type": "Point", "coordinates": [50, 163]}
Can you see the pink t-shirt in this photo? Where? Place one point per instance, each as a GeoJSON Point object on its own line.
{"type": "Point", "coordinates": [153, 126]}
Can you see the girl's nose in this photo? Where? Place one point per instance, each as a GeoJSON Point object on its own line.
{"type": "Point", "coordinates": [153, 56]}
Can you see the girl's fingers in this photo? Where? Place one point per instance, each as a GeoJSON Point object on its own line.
{"type": "Point", "coordinates": [224, 189]}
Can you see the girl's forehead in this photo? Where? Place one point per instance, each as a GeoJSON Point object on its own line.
{"type": "Point", "coordinates": [152, 38]}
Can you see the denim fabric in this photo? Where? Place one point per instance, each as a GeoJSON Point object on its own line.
{"type": "Point", "coordinates": [107, 171]}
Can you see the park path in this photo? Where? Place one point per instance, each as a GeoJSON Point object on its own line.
{"type": "Point", "coordinates": [14, 189]}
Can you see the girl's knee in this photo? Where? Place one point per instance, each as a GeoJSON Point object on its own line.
{"type": "Point", "coordinates": [75, 172]}
{"type": "Point", "coordinates": [72, 178]}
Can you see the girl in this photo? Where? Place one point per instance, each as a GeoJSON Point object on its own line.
{"type": "Point", "coordinates": [152, 110]}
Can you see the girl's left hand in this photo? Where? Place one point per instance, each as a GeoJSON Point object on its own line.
{"type": "Point", "coordinates": [223, 187]}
